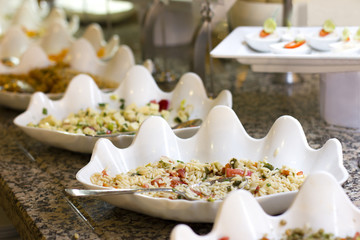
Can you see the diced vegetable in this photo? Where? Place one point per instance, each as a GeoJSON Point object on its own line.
{"type": "Point", "coordinates": [294, 44]}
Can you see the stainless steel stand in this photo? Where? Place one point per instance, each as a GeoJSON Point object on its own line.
{"type": "Point", "coordinates": [289, 77]}
{"type": "Point", "coordinates": [203, 45]}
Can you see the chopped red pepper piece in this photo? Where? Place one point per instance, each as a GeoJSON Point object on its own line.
{"type": "Point", "coordinates": [104, 173]}
{"type": "Point", "coordinates": [157, 181]}
{"type": "Point", "coordinates": [323, 33]}
{"type": "Point", "coordinates": [264, 34]}
{"type": "Point", "coordinates": [224, 238]}
{"type": "Point", "coordinates": [163, 104]}
{"type": "Point", "coordinates": [182, 172]}
{"type": "Point", "coordinates": [233, 172]}
{"type": "Point", "coordinates": [257, 189]}
{"type": "Point", "coordinates": [294, 44]}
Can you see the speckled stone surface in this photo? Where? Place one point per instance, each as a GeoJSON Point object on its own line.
{"type": "Point", "coordinates": [33, 176]}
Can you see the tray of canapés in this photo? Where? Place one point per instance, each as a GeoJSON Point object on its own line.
{"type": "Point", "coordinates": [323, 45]}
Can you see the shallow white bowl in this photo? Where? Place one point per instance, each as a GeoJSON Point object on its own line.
{"type": "Point", "coordinates": [322, 43]}
{"type": "Point", "coordinates": [278, 48]}
{"type": "Point", "coordinates": [138, 87]}
{"type": "Point", "coordinates": [261, 44]}
{"type": "Point", "coordinates": [220, 138]}
{"type": "Point", "coordinates": [320, 203]}
{"type": "Point", "coordinates": [352, 47]}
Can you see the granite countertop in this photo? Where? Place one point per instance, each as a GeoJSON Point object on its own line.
{"type": "Point", "coordinates": [33, 176]}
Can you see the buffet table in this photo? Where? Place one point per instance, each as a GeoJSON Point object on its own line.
{"type": "Point", "coordinates": [33, 176]}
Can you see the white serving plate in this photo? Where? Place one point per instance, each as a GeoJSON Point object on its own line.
{"type": "Point", "coordinates": [221, 137]}
{"type": "Point", "coordinates": [234, 46]}
{"type": "Point", "coordinates": [320, 203]}
{"type": "Point", "coordinates": [138, 87]}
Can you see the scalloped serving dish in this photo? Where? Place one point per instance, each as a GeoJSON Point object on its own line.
{"type": "Point", "coordinates": [31, 16]}
{"type": "Point", "coordinates": [82, 56]}
{"type": "Point", "coordinates": [56, 38]}
{"type": "Point", "coordinates": [321, 203]}
{"type": "Point", "coordinates": [220, 138]}
{"type": "Point", "coordinates": [138, 87]}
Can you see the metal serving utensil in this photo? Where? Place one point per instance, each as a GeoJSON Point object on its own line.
{"type": "Point", "coordinates": [96, 192]}
{"type": "Point", "coordinates": [106, 192]}
{"type": "Point", "coordinates": [10, 61]}
{"type": "Point", "coordinates": [18, 85]}
{"type": "Point", "coordinates": [191, 123]}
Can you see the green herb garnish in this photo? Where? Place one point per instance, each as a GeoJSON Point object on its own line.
{"type": "Point", "coordinates": [122, 103]}
{"type": "Point", "coordinates": [269, 166]}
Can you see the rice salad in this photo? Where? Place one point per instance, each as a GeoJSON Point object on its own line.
{"type": "Point", "coordinates": [260, 178]}
{"type": "Point", "coordinates": [307, 233]}
{"type": "Point", "coordinates": [105, 120]}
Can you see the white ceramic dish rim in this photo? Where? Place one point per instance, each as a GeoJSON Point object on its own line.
{"type": "Point", "coordinates": [233, 47]}
{"type": "Point", "coordinates": [138, 87]}
{"type": "Point", "coordinates": [321, 203]}
{"type": "Point", "coordinates": [224, 142]}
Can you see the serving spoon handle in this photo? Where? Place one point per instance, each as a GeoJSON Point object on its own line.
{"type": "Point", "coordinates": [105, 192]}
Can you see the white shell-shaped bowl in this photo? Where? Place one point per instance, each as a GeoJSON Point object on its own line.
{"type": "Point", "coordinates": [94, 34]}
{"type": "Point", "coordinates": [138, 87]}
{"type": "Point", "coordinates": [28, 15]}
{"type": "Point", "coordinates": [220, 138]}
{"type": "Point", "coordinates": [56, 38]}
{"type": "Point", "coordinates": [321, 203]}
{"type": "Point", "coordinates": [58, 15]}
{"type": "Point", "coordinates": [82, 56]}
